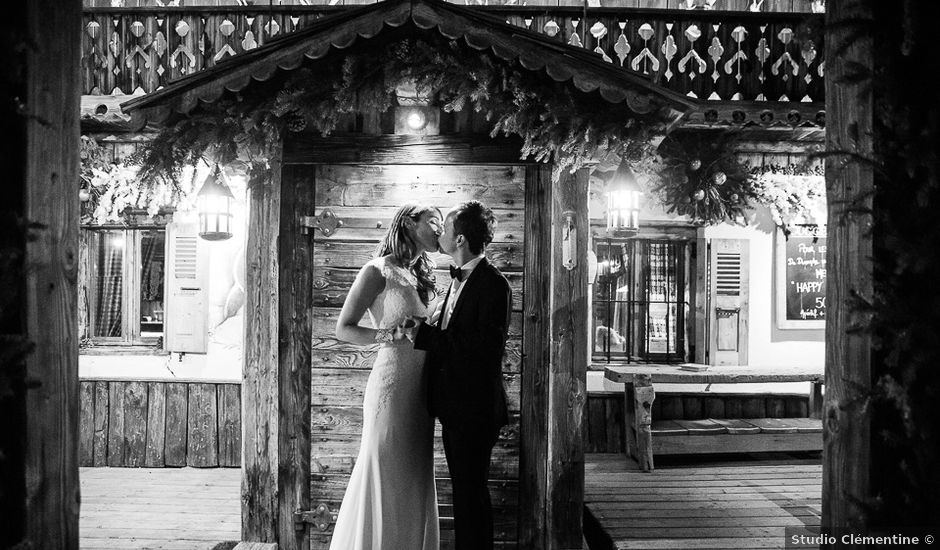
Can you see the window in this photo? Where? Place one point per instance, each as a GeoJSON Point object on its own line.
{"type": "Point", "coordinates": [124, 285]}
{"type": "Point", "coordinates": [641, 300]}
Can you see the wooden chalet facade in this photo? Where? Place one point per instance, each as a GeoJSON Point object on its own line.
{"type": "Point", "coordinates": [300, 426]}
{"type": "Point", "coordinates": [863, 466]}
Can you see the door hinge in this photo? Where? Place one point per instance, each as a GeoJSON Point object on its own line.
{"type": "Point", "coordinates": [326, 222]}
{"type": "Point", "coordinates": [321, 517]}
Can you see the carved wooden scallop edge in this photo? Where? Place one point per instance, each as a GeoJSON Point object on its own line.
{"type": "Point", "coordinates": [560, 71]}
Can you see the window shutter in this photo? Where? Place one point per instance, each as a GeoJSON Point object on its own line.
{"type": "Point", "coordinates": [186, 299]}
{"type": "Point", "coordinates": [728, 301]}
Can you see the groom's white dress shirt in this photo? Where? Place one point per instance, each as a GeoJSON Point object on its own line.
{"type": "Point", "coordinates": [457, 286]}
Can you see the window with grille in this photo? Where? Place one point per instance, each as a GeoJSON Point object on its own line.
{"type": "Point", "coordinates": [641, 304]}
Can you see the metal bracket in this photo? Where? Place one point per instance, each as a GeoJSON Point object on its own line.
{"type": "Point", "coordinates": [320, 516]}
{"type": "Point", "coordinates": [726, 312]}
{"type": "Point", "coordinates": [569, 238]}
{"type": "Point", "coordinates": [326, 222]}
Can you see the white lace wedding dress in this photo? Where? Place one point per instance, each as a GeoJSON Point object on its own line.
{"type": "Point", "coordinates": [391, 501]}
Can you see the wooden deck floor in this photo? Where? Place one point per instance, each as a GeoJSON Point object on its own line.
{"type": "Point", "coordinates": [159, 508]}
{"type": "Point", "coordinates": [726, 505]}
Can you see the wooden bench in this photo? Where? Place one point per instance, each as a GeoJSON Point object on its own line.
{"type": "Point", "coordinates": [713, 435]}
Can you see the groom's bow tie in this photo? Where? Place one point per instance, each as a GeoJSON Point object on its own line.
{"type": "Point", "coordinates": [456, 273]}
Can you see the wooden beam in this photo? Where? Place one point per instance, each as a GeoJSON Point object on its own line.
{"type": "Point", "coordinates": [41, 39]}
{"type": "Point", "coordinates": [398, 149]}
{"type": "Point", "coordinates": [259, 374]}
{"type": "Point", "coordinates": [295, 333]}
{"type": "Point", "coordinates": [533, 444]}
{"type": "Point", "coordinates": [568, 339]}
{"type": "Point", "coordinates": [850, 187]}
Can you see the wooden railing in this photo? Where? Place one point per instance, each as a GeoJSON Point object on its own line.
{"type": "Point", "coordinates": [787, 6]}
{"type": "Point", "coordinates": [712, 55]}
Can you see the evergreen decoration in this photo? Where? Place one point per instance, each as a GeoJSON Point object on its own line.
{"type": "Point", "coordinates": [794, 193]}
{"type": "Point", "coordinates": [556, 122]}
{"type": "Point", "coordinates": [699, 175]}
{"type": "Point", "coordinates": [109, 191]}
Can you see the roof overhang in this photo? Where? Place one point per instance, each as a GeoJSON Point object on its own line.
{"type": "Point", "coordinates": [584, 69]}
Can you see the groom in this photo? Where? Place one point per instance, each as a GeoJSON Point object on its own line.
{"type": "Point", "coordinates": [465, 352]}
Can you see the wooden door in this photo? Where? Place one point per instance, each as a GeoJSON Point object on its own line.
{"type": "Point", "coordinates": [365, 197]}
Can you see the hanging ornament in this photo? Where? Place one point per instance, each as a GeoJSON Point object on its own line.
{"type": "Point", "coordinates": [720, 178]}
{"type": "Point", "coordinates": [695, 164]}
{"type": "Point", "coordinates": [84, 195]}
{"type": "Point", "coordinates": [296, 124]}
{"type": "Point", "coordinates": [698, 195]}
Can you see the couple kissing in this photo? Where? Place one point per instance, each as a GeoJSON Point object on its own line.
{"type": "Point", "coordinates": [440, 356]}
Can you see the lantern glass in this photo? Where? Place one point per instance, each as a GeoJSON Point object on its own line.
{"type": "Point", "coordinates": [214, 204]}
{"type": "Point", "coordinates": [623, 210]}
{"type": "Point", "coordinates": [417, 119]}
{"type": "Point", "coordinates": [623, 202]}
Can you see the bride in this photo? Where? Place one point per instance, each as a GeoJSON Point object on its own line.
{"type": "Point", "coordinates": [391, 500]}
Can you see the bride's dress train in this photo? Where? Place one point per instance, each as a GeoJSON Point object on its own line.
{"type": "Point", "coordinates": [391, 501]}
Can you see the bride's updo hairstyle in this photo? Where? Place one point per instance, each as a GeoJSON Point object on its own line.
{"type": "Point", "coordinates": [400, 243]}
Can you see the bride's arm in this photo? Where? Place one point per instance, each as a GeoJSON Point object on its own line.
{"type": "Point", "coordinates": [369, 283]}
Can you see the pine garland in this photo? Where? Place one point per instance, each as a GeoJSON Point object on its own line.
{"type": "Point", "coordinates": [556, 123]}
{"type": "Point", "coordinates": [694, 174]}
{"type": "Point", "coordinates": [792, 193]}
{"type": "Point", "coordinates": [110, 190]}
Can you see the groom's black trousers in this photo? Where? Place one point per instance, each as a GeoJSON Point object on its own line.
{"type": "Point", "coordinates": [468, 458]}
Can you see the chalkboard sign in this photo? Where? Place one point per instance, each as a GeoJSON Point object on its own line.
{"type": "Point", "coordinates": [801, 277]}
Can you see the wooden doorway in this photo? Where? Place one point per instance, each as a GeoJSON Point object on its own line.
{"type": "Point", "coordinates": [364, 196]}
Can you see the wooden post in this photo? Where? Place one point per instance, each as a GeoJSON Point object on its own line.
{"type": "Point", "coordinates": [39, 389]}
{"type": "Point", "coordinates": [259, 374]}
{"type": "Point", "coordinates": [815, 406]}
{"type": "Point", "coordinates": [849, 186]}
{"type": "Point", "coordinates": [276, 377]}
{"type": "Point", "coordinates": [551, 483]}
{"type": "Point", "coordinates": [642, 405]}
{"type": "Point", "coordinates": [295, 320]}
{"type": "Point", "coordinates": [638, 399]}
{"type": "Point", "coordinates": [567, 391]}
{"type": "Point", "coordinates": [533, 445]}
{"type": "Point", "coordinates": [629, 421]}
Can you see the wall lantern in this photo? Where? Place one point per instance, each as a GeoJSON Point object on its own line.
{"type": "Point", "coordinates": [414, 114]}
{"type": "Point", "coordinates": [214, 204]}
{"type": "Point", "coordinates": [417, 120]}
{"type": "Point", "coordinates": [623, 202]}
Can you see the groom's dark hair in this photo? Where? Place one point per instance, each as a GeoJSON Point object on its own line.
{"type": "Point", "coordinates": [476, 223]}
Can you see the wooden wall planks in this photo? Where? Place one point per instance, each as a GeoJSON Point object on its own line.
{"type": "Point", "coordinates": [366, 197]}
{"type": "Point", "coordinates": [335, 440]}
{"type": "Point", "coordinates": [129, 423]}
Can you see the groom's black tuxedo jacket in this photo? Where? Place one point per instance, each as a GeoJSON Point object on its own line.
{"type": "Point", "coordinates": [465, 384]}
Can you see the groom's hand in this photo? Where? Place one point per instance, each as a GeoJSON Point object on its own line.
{"type": "Point", "coordinates": [411, 326]}
{"type": "Point", "coordinates": [436, 314]}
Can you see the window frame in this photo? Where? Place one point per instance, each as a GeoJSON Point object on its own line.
{"type": "Point", "coordinates": [686, 235]}
{"type": "Point", "coordinates": [131, 286]}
